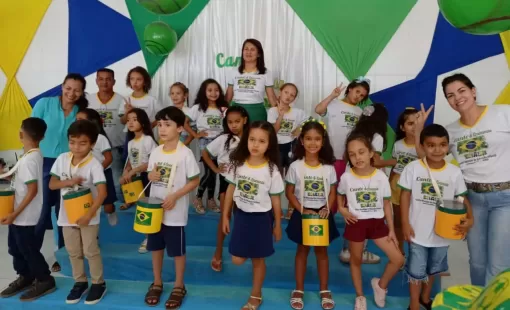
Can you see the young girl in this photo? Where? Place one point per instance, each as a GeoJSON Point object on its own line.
{"type": "Point", "coordinates": [102, 151]}
{"type": "Point", "coordinates": [236, 122]}
{"type": "Point", "coordinates": [311, 183]}
{"type": "Point", "coordinates": [140, 145]}
{"type": "Point", "coordinates": [179, 94]}
{"type": "Point", "coordinates": [404, 152]}
{"type": "Point", "coordinates": [367, 192]}
{"type": "Point", "coordinates": [255, 187]}
{"type": "Point", "coordinates": [208, 114]}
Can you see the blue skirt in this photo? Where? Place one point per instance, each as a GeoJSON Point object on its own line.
{"type": "Point", "coordinates": [252, 234]}
{"type": "Point", "coordinates": [295, 228]}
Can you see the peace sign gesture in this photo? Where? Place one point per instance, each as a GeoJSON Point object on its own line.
{"type": "Point", "coordinates": [338, 90]}
{"type": "Point", "coordinates": [421, 117]}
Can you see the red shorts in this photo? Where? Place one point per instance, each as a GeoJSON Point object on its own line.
{"type": "Point", "coordinates": [366, 229]}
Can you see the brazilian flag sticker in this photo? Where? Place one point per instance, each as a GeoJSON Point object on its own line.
{"type": "Point", "coordinates": [143, 218]}
{"type": "Point", "coordinates": [316, 231]}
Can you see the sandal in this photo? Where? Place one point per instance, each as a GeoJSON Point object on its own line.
{"type": "Point", "coordinates": [249, 306]}
{"type": "Point", "coordinates": [174, 302]}
{"type": "Point", "coordinates": [295, 301]}
{"type": "Point", "coordinates": [216, 264]}
{"type": "Point", "coordinates": [56, 267]}
{"type": "Point", "coordinates": [211, 205]}
{"type": "Point", "coordinates": [154, 295]}
{"type": "Point", "coordinates": [125, 206]}
{"type": "Point", "coordinates": [199, 208]}
{"type": "Point", "coordinates": [326, 300]}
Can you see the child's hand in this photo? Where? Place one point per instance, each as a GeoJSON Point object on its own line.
{"type": "Point", "coordinates": [464, 226]}
{"type": "Point", "coordinates": [306, 211]}
{"type": "Point", "coordinates": [154, 175]}
{"type": "Point", "coordinates": [125, 178]}
{"type": "Point", "coordinates": [408, 232]}
{"type": "Point", "coordinates": [348, 216]}
{"type": "Point", "coordinates": [202, 134]}
{"type": "Point", "coordinates": [75, 181]}
{"type": "Point", "coordinates": [324, 213]}
{"type": "Point", "coordinates": [277, 233]}
{"type": "Point", "coordinates": [84, 220]}
{"type": "Point", "coordinates": [225, 225]}
{"type": "Point", "coordinates": [222, 168]}
{"type": "Point", "coordinates": [421, 117]}
{"type": "Point", "coordinates": [338, 90]}
{"type": "Point", "coordinates": [127, 106]}
{"type": "Point", "coordinates": [392, 238]}
{"type": "Point", "coordinates": [169, 202]}
{"type": "Point", "coordinates": [8, 220]}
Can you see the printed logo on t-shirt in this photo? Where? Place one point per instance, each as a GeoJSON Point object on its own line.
{"type": "Point", "coordinates": [367, 198]}
{"type": "Point", "coordinates": [286, 126]}
{"type": "Point", "coordinates": [351, 119]}
{"type": "Point", "coordinates": [106, 118]}
{"type": "Point", "coordinates": [404, 160]}
{"type": "Point", "coordinates": [472, 147]}
{"type": "Point", "coordinates": [314, 188]}
{"type": "Point", "coordinates": [214, 121]}
{"type": "Point", "coordinates": [428, 192]}
{"type": "Point", "coordinates": [248, 189]}
{"type": "Point", "coordinates": [164, 170]}
{"type": "Point", "coordinates": [135, 156]}
{"type": "Point", "coordinates": [248, 83]}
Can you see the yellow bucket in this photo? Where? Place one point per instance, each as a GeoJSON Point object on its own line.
{"type": "Point", "coordinates": [132, 190]}
{"type": "Point", "coordinates": [77, 203]}
{"type": "Point", "coordinates": [6, 201]}
{"type": "Point", "coordinates": [315, 230]}
{"type": "Point", "coordinates": [447, 217]}
{"type": "Point", "coordinates": [149, 215]}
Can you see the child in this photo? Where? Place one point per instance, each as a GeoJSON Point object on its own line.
{"type": "Point", "coordinates": [404, 152]}
{"type": "Point", "coordinates": [141, 143]}
{"type": "Point", "coordinates": [311, 183]}
{"type": "Point", "coordinates": [255, 188]}
{"type": "Point", "coordinates": [236, 122]}
{"type": "Point", "coordinates": [173, 173]}
{"type": "Point", "coordinates": [102, 151]}
{"type": "Point", "coordinates": [208, 114]}
{"type": "Point", "coordinates": [179, 94]}
{"type": "Point", "coordinates": [368, 193]}
{"type": "Point", "coordinates": [73, 169]}
{"type": "Point", "coordinates": [286, 122]}
{"type": "Point", "coordinates": [427, 251]}
{"type": "Point", "coordinates": [28, 261]}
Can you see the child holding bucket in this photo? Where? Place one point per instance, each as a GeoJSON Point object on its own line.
{"type": "Point", "coordinates": [102, 151]}
{"type": "Point", "coordinates": [82, 184]}
{"type": "Point", "coordinates": [174, 174]}
{"type": "Point", "coordinates": [255, 188]}
{"type": "Point", "coordinates": [419, 180]}
{"type": "Point", "coordinates": [236, 122]}
{"type": "Point", "coordinates": [367, 191]}
{"type": "Point", "coordinates": [28, 262]}
{"type": "Point", "coordinates": [311, 185]}
{"type": "Point", "coordinates": [179, 95]}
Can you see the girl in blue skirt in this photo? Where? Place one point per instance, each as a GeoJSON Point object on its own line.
{"type": "Point", "coordinates": [311, 182]}
{"type": "Point", "coordinates": [255, 187]}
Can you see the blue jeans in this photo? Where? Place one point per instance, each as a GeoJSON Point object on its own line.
{"type": "Point", "coordinates": [489, 253]}
{"type": "Point", "coordinates": [117, 169]}
{"type": "Point", "coordinates": [425, 261]}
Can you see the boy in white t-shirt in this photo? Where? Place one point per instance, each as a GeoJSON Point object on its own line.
{"type": "Point", "coordinates": [28, 261]}
{"type": "Point", "coordinates": [79, 169]}
{"type": "Point", "coordinates": [427, 251]}
{"type": "Point", "coordinates": [174, 174]}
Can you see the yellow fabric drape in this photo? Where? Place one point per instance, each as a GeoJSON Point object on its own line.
{"type": "Point", "coordinates": [20, 20]}
{"type": "Point", "coordinates": [504, 96]}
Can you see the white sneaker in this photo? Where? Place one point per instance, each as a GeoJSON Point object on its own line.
{"type": "Point", "coordinates": [370, 258]}
{"type": "Point", "coordinates": [379, 293]}
{"type": "Point", "coordinates": [143, 247]}
{"type": "Point", "coordinates": [345, 256]}
{"type": "Point", "coordinates": [112, 218]}
{"type": "Point", "coordinates": [361, 303]}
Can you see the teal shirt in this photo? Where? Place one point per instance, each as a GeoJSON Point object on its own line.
{"type": "Point", "coordinates": [55, 140]}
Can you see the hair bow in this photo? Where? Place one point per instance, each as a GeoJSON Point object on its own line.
{"type": "Point", "coordinates": [360, 79]}
{"type": "Point", "coordinates": [368, 110]}
{"type": "Point", "coordinates": [310, 120]}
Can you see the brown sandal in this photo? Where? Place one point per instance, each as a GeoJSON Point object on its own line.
{"type": "Point", "coordinates": [174, 302]}
{"type": "Point", "coordinates": [154, 294]}
{"type": "Point", "coordinates": [216, 264]}
{"type": "Point", "coordinates": [125, 206]}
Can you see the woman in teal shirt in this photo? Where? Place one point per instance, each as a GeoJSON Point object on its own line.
{"type": "Point", "coordinates": [58, 113]}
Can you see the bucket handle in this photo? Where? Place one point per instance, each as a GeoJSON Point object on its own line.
{"type": "Point", "coordinates": [434, 183]}
{"type": "Point", "coordinates": [16, 166]}
{"type": "Point", "coordinates": [301, 177]}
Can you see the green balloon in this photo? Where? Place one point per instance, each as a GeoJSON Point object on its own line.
{"type": "Point", "coordinates": [482, 17]}
{"type": "Point", "coordinates": [164, 7]}
{"type": "Point", "coordinates": [159, 39]}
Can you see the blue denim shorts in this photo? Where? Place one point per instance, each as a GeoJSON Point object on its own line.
{"type": "Point", "coordinates": [425, 261]}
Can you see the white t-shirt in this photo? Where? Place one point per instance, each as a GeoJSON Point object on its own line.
{"type": "Point", "coordinates": [139, 150]}
{"type": "Point", "coordinates": [422, 211]}
{"type": "Point", "coordinates": [90, 169]}
{"type": "Point", "coordinates": [249, 88]}
{"type": "Point", "coordinates": [254, 186]}
{"type": "Point", "coordinates": [147, 103]}
{"type": "Point", "coordinates": [365, 194]}
{"type": "Point", "coordinates": [291, 120]}
{"type": "Point", "coordinates": [483, 150]}
{"type": "Point", "coordinates": [186, 169]}
{"type": "Point", "coordinates": [342, 117]}
{"type": "Point", "coordinates": [102, 145]}
{"type": "Point", "coordinates": [30, 170]}
{"type": "Point", "coordinates": [210, 121]}
{"type": "Point", "coordinates": [404, 154]}
{"type": "Point", "coordinates": [217, 149]}
{"type": "Point", "coordinates": [109, 113]}
{"type": "Point", "coordinates": [317, 183]}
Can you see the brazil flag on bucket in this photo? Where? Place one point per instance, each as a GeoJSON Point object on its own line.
{"type": "Point", "coordinates": [143, 218]}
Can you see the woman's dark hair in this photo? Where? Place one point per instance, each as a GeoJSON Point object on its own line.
{"type": "Point", "coordinates": [359, 136]}
{"type": "Point", "coordinates": [82, 102]}
{"type": "Point", "coordinates": [202, 100]}
{"type": "Point", "coordinates": [400, 134]}
{"type": "Point", "coordinates": [356, 83]}
{"type": "Point", "coordinates": [457, 77]}
{"type": "Point", "coordinates": [147, 82]}
{"type": "Point", "coordinates": [95, 117]}
{"type": "Point", "coordinates": [234, 109]}
{"type": "Point", "coordinates": [239, 156]}
{"type": "Point", "coordinates": [326, 155]}
{"type": "Point", "coordinates": [183, 87]}
{"type": "Point", "coordinates": [261, 65]}
{"type": "Point", "coordinates": [144, 121]}
{"type": "Point", "coordinates": [374, 123]}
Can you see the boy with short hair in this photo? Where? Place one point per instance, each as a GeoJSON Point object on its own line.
{"type": "Point", "coordinates": [173, 171]}
{"type": "Point", "coordinates": [79, 168]}
{"type": "Point", "coordinates": [34, 273]}
{"type": "Point", "coordinates": [428, 251]}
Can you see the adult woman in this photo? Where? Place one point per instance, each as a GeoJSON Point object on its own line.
{"type": "Point", "coordinates": [58, 113]}
{"type": "Point", "coordinates": [479, 141]}
{"type": "Point", "coordinates": [248, 84]}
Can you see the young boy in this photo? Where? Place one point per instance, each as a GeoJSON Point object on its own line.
{"type": "Point", "coordinates": [174, 173]}
{"type": "Point", "coordinates": [28, 261]}
{"type": "Point", "coordinates": [427, 251]}
{"type": "Point", "coordinates": [80, 168]}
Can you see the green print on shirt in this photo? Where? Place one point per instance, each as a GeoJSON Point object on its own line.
{"type": "Point", "coordinates": [135, 153]}
{"type": "Point", "coordinates": [366, 199]}
{"type": "Point", "coordinates": [428, 191]}
{"type": "Point", "coordinates": [248, 189]}
{"type": "Point", "coordinates": [106, 118]}
{"type": "Point", "coordinates": [143, 218]}
{"type": "Point", "coordinates": [247, 83]}
{"type": "Point", "coordinates": [164, 170]}
{"type": "Point", "coordinates": [314, 187]}
{"type": "Point", "coordinates": [351, 120]}
{"type": "Point", "coordinates": [214, 121]}
{"type": "Point", "coordinates": [472, 147]}
{"type": "Point", "coordinates": [405, 160]}
{"type": "Point", "coordinates": [286, 126]}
